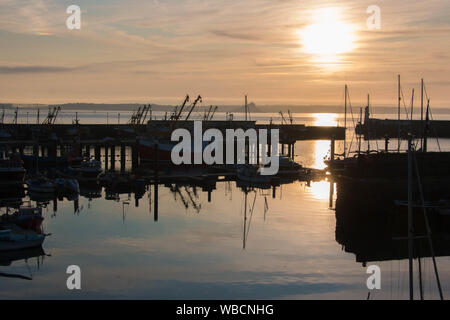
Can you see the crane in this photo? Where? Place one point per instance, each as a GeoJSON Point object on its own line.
{"type": "Point", "coordinates": [283, 120]}
{"type": "Point", "coordinates": [52, 114]}
{"type": "Point", "coordinates": [206, 116]}
{"type": "Point", "coordinates": [139, 116]}
{"type": "Point", "coordinates": [214, 111]}
{"type": "Point", "coordinates": [176, 115]}
{"type": "Point", "coordinates": [199, 98]}
{"type": "Point", "coordinates": [291, 120]}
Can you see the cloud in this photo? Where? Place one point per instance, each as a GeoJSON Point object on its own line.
{"type": "Point", "coordinates": [34, 69]}
{"type": "Point", "coordinates": [236, 36]}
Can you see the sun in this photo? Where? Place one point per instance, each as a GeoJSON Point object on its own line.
{"type": "Point", "coordinates": [329, 35]}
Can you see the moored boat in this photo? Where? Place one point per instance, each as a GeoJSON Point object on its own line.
{"type": "Point", "coordinates": [252, 173]}
{"type": "Point", "coordinates": [26, 217]}
{"type": "Point", "coordinates": [87, 170]}
{"type": "Point", "coordinates": [13, 237]}
{"type": "Point", "coordinates": [41, 184]}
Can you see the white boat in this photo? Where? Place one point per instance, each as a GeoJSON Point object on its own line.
{"type": "Point", "coordinates": [41, 185]}
{"type": "Point", "coordinates": [15, 238]}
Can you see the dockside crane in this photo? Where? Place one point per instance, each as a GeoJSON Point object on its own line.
{"type": "Point", "coordinates": [199, 99]}
{"type": "Point", "coordinates": [210, 114]}
{"type": "Point", "coordinates": [177, 114]}
{"type": "Point", "coordinates": [206, 116]}
{"type": "Point", "coordinates": [291, 119]}
{"type": "Point", "coordinates": [52, 115]}
{"type": "Point", "coordinates": [139, 116]}
{"type": "Point", "coordinates": [283, 119]}
{"type": "Point", "coordinates": [214, 111]}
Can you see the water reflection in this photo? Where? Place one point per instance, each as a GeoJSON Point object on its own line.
{"type": "Point", "coordinates": [321, 152]}
{"type": "Point", "coordinates": [320, 190]}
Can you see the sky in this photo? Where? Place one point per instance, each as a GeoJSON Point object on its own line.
{"type": "Point", "coordinates": [276, 51]}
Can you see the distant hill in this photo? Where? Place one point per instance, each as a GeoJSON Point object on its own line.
{"type": "Point", "coordinates": [222, 108]}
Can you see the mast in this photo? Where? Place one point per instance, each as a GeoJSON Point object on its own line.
{"type": "Point", "coordinates": [410, 218]}
{"type": "Point", "coordinates": [359, 140]}
{"type": "Point", "coordinates": [398, 111]}
{"type": "Point", "coordinates": [245, 218]}
{"type": "Point", "coordinates": [421, 113]}
{"type": "Point", "coordinates": [368, 133]}
{"type": "Point", "coordinates": [412, 108]}
{"type": "Point", "coordinates": [425, 134]}
{"type": "Point", "coordinates": [345, 118]}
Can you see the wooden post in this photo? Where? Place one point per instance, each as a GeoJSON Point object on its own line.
{"type": "Point", "coordinates": [97, 153]}
{"type": "Point", "coordinates": [106, 158]}
{"type": "Point", "coordinates": [332, 148]}
{"type": "Point", "coordinates": [88, 151]}
{"type": "Point", "coordinates": [122, 157]}
{"type": "Point", "coordinates": [113, 157]}
{"type": "Point", "coordinates": [386, 143]}
{"type": "Point", "coordinates": [135, 155]}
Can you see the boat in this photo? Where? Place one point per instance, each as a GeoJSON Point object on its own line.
{"type": "Point", "coordinates": [87, 170]}
{"type": "Point", "coordinates": [288, 167]}
{"type": "Point", "coordinates": [147, 150]}
{"type": "Point", "coordinates": [252, 173]}
{"type": "Point", "coordinates": [26, 217]}
{"type": "Point", "coordinates": [67, 185]}
{"type": "Point", "coordinates": [12, 171]}
{"type": "Point", "coordinates": [13, 237]}
{"type": "Point", "coordinates": [41, 184]}
{"type": "Point", "coordinates": [8, 257]}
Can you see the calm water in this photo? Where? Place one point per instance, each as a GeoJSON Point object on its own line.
{"type": "Point", "coordinates": [287, 248]}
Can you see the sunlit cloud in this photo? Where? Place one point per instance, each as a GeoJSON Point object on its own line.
{"type": "Point", "coordinates": [284, 51]}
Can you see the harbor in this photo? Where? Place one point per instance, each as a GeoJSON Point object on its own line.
{"type": "Point", "coordinates": [139, 189]}
{"type": "Point", "coordinates": [221, 157]}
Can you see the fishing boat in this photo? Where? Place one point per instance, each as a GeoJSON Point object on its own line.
{"type": "Point", "coordinates": [41, 184]}
{"type": "Point", "coordinates": [13, 237]}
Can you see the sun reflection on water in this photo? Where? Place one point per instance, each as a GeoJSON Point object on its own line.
{"type": "Point", "coordinates": [320, 190]}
